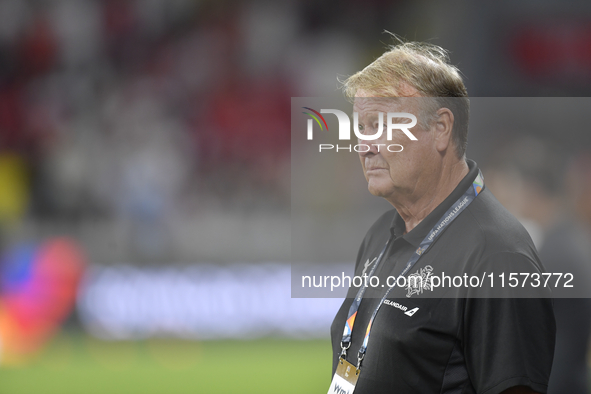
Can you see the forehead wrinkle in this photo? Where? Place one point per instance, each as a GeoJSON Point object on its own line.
{"type": "Point", "coordinates": [371, 109]}
{"type": "Point", "coordinates": [378, 103]}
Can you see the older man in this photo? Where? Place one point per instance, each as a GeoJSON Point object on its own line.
{"type": "Point", "coordinates": [445, 221]}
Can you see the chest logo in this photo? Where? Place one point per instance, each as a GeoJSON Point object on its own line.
{"type": "Point", "coordinates": [420, 281]}
{"type": "Point", "coordinates": [411, 312]}
{"type": "Point", "coordinates": [403, 308]}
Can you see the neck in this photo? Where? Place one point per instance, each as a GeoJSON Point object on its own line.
{"type": "Point", "coordinates": [427, 193]}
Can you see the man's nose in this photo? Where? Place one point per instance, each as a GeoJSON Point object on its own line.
{"type": "Point", "coordinates": [367, 147]}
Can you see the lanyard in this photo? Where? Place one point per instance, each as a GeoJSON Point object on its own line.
{"type": "Point", "coordinates": [448, 217]}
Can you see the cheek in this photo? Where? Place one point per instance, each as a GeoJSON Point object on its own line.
{"type": "Point", "coordinates": [393, 158]}
{"type": "Point", "coordinates": [401, 166]}
{"type": "Point", "coordinates": [362, 161]}
{"type": "Point", "coordinates": [414, 152]}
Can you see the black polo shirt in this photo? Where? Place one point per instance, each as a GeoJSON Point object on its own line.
{"type": "Point", "coordinates": [451, 339]}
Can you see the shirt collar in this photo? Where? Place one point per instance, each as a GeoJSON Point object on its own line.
{"type": "Point", "coordinates": [417, 234]}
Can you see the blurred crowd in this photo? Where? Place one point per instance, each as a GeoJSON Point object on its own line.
{"type": "Point", "coordinates": [140, 110]}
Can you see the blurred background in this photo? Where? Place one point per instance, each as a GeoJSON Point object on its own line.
{"type": "Point", "coordinates": [145, 178]}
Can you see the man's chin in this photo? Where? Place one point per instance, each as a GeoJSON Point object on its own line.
{"type": "Point", "coordinates": [378, 190]}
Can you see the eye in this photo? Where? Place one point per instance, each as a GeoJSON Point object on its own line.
{"type": "Point", "coordinates": [376, 126]}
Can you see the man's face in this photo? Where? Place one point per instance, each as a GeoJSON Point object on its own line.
{"type": "Point", "coordinates": [388, 173]}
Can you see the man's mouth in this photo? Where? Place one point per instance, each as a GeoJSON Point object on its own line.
{"type": "Point", "coordinates": [374, 168]}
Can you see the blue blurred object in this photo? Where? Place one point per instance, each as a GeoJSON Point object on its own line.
{"type": "Point", "coordinates": [16, 266]}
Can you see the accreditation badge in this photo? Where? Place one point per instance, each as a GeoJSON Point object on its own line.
{"type": "Point", "coordinates": [344, 379]}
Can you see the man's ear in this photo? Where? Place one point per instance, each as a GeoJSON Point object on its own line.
{"type": "Point", "coordinates": [444, 123]}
